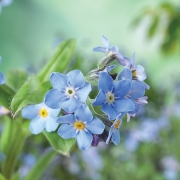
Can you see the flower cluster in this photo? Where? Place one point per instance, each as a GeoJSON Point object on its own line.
{"type": "Point", "coordinates": [119, 94]}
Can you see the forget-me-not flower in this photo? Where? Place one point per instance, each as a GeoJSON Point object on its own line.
{"type": "Point", "coordinates": [80, 125]}
{"type": "Point", "coordinates": [114, 49]}
{"type": "Point", "coordinates": [137, 90]}
{"type": "Point", "coordinates": [42, 117]}
{"type": "Point", "coordinates": [69, 91]}
{"type": "Point", "coordinates": [112, 96]}
{"type": "Point", "coordinates": [114, 133]}
{"type": "Point", "coordinates": [138, 72]}
{"type": "Point", "coordinates": [2, 78]}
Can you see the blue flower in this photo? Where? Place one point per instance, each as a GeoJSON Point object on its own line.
{"type": "Point", "coordinates": [112, 96]}
{"type": "Point", "coordinates": [114, 134]}
{"type": "Point", "coordinates": [137, 90]}
{"type": "Point", "coordinates": [2, 78]}
{"type": "Point", "coordinates": [80, 125]}
{"type": "Point", "coordinates": [138, 72]}
{"type": "Point", "coordinates": [4, 3]}
{"type": "Point", "coordinates": [69, 91]}
{"type": "Point", "coordinates": [41, 117]}
{"type": "Point", "coordinates": [114, 49]}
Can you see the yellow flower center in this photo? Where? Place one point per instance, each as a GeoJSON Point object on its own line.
{"type": "Point", "coordinates": [117, 124]}
{"type": "Point", "coordinates": [79, 125]}
{"type": "Point", "coordinates": [110, 97]}
{"type": "Point", "coordinates": [134, 73]}
{"type": "Point", "coordinates": [70, 92]}
{"type": "Point", "coordinates": [43, 113]}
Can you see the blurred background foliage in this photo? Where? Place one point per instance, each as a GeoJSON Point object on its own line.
{"type": "Point", "coordinates": [29, 32]}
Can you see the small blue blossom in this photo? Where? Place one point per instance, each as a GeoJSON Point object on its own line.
{"type": "Point", "coordinates": [41, 117]}
{"type": "Point", "coordinates": [112, 96]}
{"type": "Point", "coordinates": [2, 78]}
{"type": "Point", "coordinates": [69, 91]}
{"type": "Point", "coordinates": [80, 125]}
{"type": "Point", "coordinates": [137, 90]}
{"type": "Point", "coordinates": [138, 72]}
{"type": "Point", "coordinates": [114, 49]}
{"type": "Point", "coordinates": [114, 133]}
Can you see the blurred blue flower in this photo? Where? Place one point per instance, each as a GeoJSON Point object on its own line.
{"type": "Point", "coordinates": [69, 91]}
{"type": "Point", "coordinates": [2, 78]}
{"type": "Point", "coordinates": [80, 125]}
{"type": "Point", "coordinates": [4, 3]}
{"type": "Point", "coordinates": [41, 117]}
{"type": "Point", "coordinates": [114, 133]}
{"type": "Point", "coordinates": [112, 96]}
{"type": "Point", "coordinates": [114, 49]}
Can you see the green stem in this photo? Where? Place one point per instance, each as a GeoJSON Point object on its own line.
{"type": "Point", "coordinates": [102, 117]}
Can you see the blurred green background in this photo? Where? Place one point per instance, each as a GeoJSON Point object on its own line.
{"type": "Point", "coordinates": [150, 143]}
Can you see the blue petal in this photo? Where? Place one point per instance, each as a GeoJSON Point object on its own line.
{"type": "Point", "coordinates": [116, 137]}
{"type": "Point", "coordinates": [95, 126]}
{"type": "Point", "coordinates": [145, 85]}
{"type": "Point", "coordinates": [53, 112]}
{"type": "Point", "coordinates": [100, 98]}
{"type": "Point", "coordinates": [70, 119]}
{"type": "Point", "coordinates": [2, 78]}
{"type": "Point", "coordinates": [83, 92]}
{"type": "Point", "coordinates": [83, 113]}
{"type": "Point", "coordinates": [76, 78]}
{"type": "Point", "coordinates": [110, 134]}
{"type": "Point", "coordinates": [133, 61]}
{"type": "Point", "coordinates": [109, 68]}
{"type": "Point", "coordinates": [100, 49]}
{"type": "Point", "coordinates": [51, 124]}
{"type": "Point", "coordinates": [137, 90]}
{"type": "Point", "coordinates": [110, 111]}
{"type": "Point", "coordinates": [122, 88]}
{"type": "Point", "coordinates": [136, 109]}
{"type": "Point", "coordinates": [69, 104]}
{"type": "Point", "coordinates": [105, 82]}
{"type": "Point", "coordinates": [84, 139]}
{"type": "Point", "coordinates": [114, 49]}
{"type": "Point", "coordinates": [125, 74]}
{"type": "Point", "coordinates": [37, 125]}
{"type": "Point", "coordinates": [124, 105]}
{"type": "Point", "coordinates": [30, 111]}
{"type": "Point", "coordinates": [67, 131]}
{"type": "Point", "coordinates": [53, 98]}
{"type": "Point", "coordinates": [105, 41]}
{"type": "Point", "coordinates": [58, 80]}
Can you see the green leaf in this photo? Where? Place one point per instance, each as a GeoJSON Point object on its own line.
{"type": "Point", "coordinates": [16, 176]}
{"type": "Point", "coordinates": [32, 92]}
{"type": "Point", "coordinates": [59, 61]}
{"type": "Point", "coordinates": [2, 177]}
{"type": "Point", "coordinates": [39, 168]}
{"type": "Point", "coordinates": [15, 138]}
{"type": "Point", "coordinates": [61, 145]}
{"type": "Point", "coordinates": [6, 94]}
{"type": "Point", "coordinates": [6, 134]}
{"type": "Point", "coordinates": [16, 78]}
{"type": "Point", "coordinates": [153, 26]}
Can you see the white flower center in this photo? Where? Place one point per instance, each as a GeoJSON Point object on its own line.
{"type": "Point", "coordinates": [70, 92]}
{"type": "Point", "coordinates": [110, 97]}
